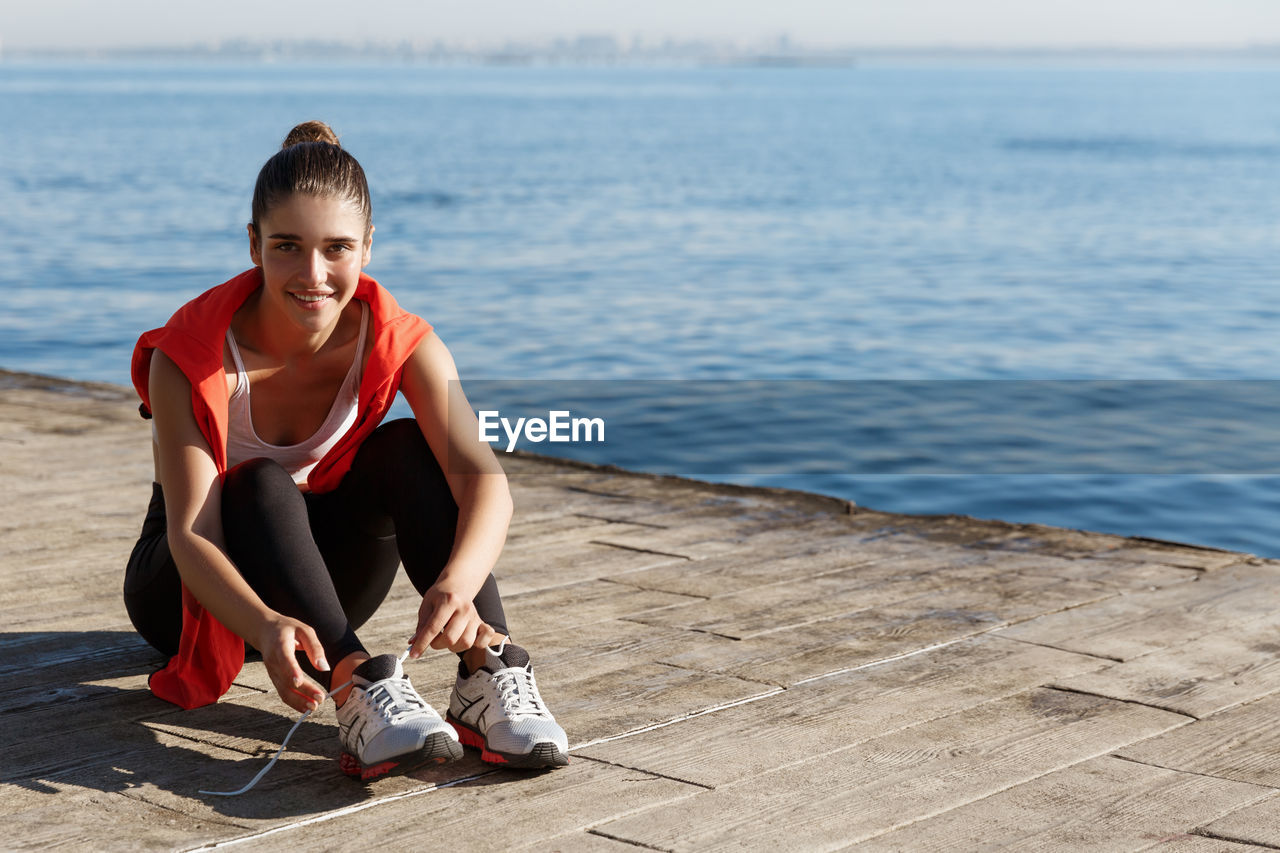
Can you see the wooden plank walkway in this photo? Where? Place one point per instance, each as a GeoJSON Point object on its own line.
{"type": "Point", "coordinates": [736, 668]}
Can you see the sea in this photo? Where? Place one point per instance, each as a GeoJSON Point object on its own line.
{"type": "Point", "coordinates": [1040, 291]}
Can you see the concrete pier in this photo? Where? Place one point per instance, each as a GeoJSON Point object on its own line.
{"type": "Point", "coordinates": [736, 668]}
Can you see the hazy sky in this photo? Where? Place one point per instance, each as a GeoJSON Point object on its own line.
{"type": "Point", "coordinates": [89, 23]}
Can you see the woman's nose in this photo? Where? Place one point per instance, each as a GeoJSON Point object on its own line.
{"type": "Point", "coordinates": [313, 271]}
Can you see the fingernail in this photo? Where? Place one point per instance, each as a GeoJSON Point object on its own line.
{"type": "Point", "coordinates": [322, 665]}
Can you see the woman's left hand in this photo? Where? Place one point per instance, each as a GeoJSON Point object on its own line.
{"type": "Point", "coordinates": [448, 620]}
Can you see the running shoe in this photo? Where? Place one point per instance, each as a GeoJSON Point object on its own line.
{"type": "Point", "coordinates": [385, 726]}
{"type": "Point", "coordinates": [497, 709]}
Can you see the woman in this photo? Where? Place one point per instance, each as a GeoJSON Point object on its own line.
{"type": "Point", "coordinates": [280, 522]}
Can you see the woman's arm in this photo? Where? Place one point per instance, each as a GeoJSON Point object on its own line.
{"type": "Point", "coordinates": [448, 618]}
{"type": "Point", "coordinates": [193, 506]}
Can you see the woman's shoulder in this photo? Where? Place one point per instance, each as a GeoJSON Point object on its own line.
{"type": "Point", "coordinates": [192, 337]}
{"type": "Point", "coordinates": [213, 309]}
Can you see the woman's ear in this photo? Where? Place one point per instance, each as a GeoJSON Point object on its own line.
{"type": "Point", "coordinates": [368, 248]}
{"type": "Point", "coordinates": [255, 248]}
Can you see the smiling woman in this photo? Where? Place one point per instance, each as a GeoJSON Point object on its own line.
{"type": "Point", "coordinates": [281, 508]}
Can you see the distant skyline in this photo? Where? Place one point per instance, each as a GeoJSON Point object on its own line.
{"type": "Point", "coordinates": [90, 24]}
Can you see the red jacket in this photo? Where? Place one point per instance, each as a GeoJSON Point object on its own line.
{"type": "Point", "coordinates": [209, 655]}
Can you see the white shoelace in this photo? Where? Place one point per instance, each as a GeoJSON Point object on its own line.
{"type": "Point", "coordinates": [280, 751]}
{"type": "Point", "coordinates": [517, 689]}
{"type": "Point", "coordinates": [519, 692]}
{"type": "Point", "coordinates": [392, 701]}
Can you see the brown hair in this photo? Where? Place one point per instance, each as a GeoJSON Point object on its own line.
{"type": "Point", "coordinates": [311, 161]}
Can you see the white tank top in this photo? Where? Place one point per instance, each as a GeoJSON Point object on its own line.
{"type": "Point", "coordinates": [298, 459]}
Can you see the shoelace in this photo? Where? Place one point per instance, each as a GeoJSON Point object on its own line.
{"type": "Point", "coordinates": [519, 692]}
{"type": "Point", "coordinates": [280, 751]}
{"type": "Point", "coordinates": [517, 689]}
{"type": "Point", "coordinates": [401, 702]}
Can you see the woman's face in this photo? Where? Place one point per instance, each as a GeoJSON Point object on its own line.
{"type": "Point", "coordinates": [311, 250]}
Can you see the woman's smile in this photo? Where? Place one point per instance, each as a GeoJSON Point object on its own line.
{"type": "Point", "coordinates": [312, 301]}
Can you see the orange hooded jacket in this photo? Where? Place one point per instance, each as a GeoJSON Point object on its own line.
{"type": "Point", "coordinates": [209, 655]}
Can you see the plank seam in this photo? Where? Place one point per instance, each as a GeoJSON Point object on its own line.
{"type": "Point", "coordinates": [343, 812]}
{"type": "Point", "coordinates": [831, 617]}
{"type": "Point", "coordinates": [601, 494]}
{"type": "Point", "coordinates": [726, 674]}
{"type": "Point", "coordinates": [1151, 540]}
{"type": "Point", "coordinates": [1216, 836]}
{"type": "Point", "coordinates": [648, 772]}
{"type": "Point", "coordinates": [616, 579]}
{"type": "Point", "coordinates": [640, 844]}
{"type": "Point", "coordinates": [922, 650]}
{"type": "Point", "coordinates": [639, 620]}
{"type": "Point", "coordinates": [814, 554]}
{"type": "Point", "coordinates": [807, 623]}
{"type": "Point", "coordinates": [1188, 772]}
{"type": "Point", "coordinates": [256, 752]}
{"type": "Point", "coordinates": [673, 721]}
{"type": "Point", "coordinates": [241, 684]}
{"type": "Point", "coordinates": [215, 819]}
{"type": "Point", "coordinates": [757, 634]}
{"type": "Point", "coordinates": [620, 521]}
{"type": "Point", "coordinates": [566, 584]}
{"type": "Point", "coordinates": [692, 595]}
{"type": "Point", "coordinates": [1063, 649]}
{"type": "Point", "coordinates": [636, 548]}
{"type": "Point", "coordinates": [879, 833]}
{"type": "Point", "coordinates": [888, 830]}
{"type": "Point", "coordinates": [1082, 692]}
{"type": "Point", "coordinates": [1217, 710]}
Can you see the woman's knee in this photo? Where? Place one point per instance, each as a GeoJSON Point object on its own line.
{"type": "Point", "coordinates": [396, 440]}
{"type": "Point", "coordinates": [258, 479]}
{"type": "Point", "coordinates": [256, 489]}
{"type": "Point", "coordinates": [399, 448]}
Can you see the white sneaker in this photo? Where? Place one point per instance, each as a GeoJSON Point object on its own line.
{"type": "Point", "coordinates": [497, 709]}
{"type": "Point", "coordinates": [386, 728]}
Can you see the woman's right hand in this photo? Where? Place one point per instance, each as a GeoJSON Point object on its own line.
{"type": "Point", "coordinates": [278, 641]}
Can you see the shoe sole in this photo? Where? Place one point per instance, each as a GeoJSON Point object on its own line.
{"type": "Point", "coordinates": [543, 754]}
{"type": "Point", "coordinates": [438, 749]}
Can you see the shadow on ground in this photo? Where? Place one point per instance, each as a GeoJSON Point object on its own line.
{"type": "Point", "coordinates": [84, 719]}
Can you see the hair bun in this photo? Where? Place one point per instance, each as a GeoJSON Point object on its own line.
{"type": "Point", "coordinates": [311, 131]}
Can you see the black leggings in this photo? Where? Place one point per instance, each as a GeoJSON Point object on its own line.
{"type": "Point", "coordinates": [325, 559]}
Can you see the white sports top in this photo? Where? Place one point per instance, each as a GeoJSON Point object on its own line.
{"type": "Point", "coordinates": [298, 459]}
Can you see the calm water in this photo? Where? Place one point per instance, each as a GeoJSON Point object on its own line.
{"type": "Point", "coordinates": [711, 224]}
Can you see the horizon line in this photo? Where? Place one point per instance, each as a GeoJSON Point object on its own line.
{"type": "Point", "coordinates": [564, 49]}
{"type": "Point", "coordinates": [637, 43]}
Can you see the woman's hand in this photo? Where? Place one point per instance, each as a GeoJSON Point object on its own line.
{"type": "Point", "coordinates": [278, 641]}
{"type": "Point", "coordinates": [448, 620]}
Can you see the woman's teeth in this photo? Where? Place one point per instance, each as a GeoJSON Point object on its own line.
{"type": "Point", "coordinates": [306, 298]}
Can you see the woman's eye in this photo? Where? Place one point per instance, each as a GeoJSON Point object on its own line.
{"type": "Point", "coordinates": [339, 247]}
{"type": "Point", "coordinates": [286, 247]}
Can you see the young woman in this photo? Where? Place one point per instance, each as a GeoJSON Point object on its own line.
{"type": "Point", "coordinates": [281, 508]}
